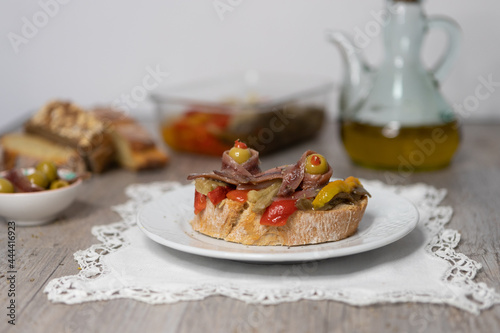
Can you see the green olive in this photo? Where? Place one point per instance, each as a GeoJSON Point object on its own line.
{"type": "Point", "coordinates": [6, 186]}
{"type": "Point", "coordinates": [58, 184]}
{"type": "Point", "coordinates": [240, 155]}
{"type": "Point", "coordinates": [38, 178]}
{"type": "Point", "coordinates": [49, 169]}
{"type": "Point", "coordinates": [316, 164]}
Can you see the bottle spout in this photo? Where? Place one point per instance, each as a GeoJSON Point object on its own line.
{"type": "Point", "coordinates": [357, 74]}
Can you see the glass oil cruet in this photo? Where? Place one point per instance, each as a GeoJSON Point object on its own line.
{"type": "Point", "coordinates": [395, 117]}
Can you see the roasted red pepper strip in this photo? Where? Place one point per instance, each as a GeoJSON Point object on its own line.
{"type": "Point", "coordinates": [315, 160]}
{"type": "Point", "coordinates": [239, 144]}
{"type": "Point", "coordinates": [200, 202]}
{"type": "Point", "coordinates": [218, 194]}
{"type": "Point", "coordinates": [278, 213]}
{"type": "Point", "coordinates": [238, 195]}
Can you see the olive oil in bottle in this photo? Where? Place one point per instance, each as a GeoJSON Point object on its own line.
{"type": "Point", "coordinates": [394, 116]}
{"type": "Point", "coordinates": [393, 147]}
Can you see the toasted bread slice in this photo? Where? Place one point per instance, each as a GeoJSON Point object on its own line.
{"type": "Point", "coordinates": [135, 148]}
{"type": "Point", "coordinates": [236, 222]}
{"type": "Point", "coordinates": [218, 221]}
{"type": "Point", "coordinates": [69, 125]}
{"type": "Point", "coordinates": [25, 150]}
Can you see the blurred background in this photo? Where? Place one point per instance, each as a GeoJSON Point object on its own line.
{"type": "Point", "coordinates": [95, 52]}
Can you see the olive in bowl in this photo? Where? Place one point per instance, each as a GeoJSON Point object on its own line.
{"type": "Point", "coordinates": [24, 201]}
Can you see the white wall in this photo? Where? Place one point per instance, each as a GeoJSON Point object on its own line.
{"type": "Point", "coordinates": [94, 51]}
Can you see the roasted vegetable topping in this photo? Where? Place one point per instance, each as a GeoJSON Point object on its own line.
{"type": "Point", "coordinates": [263, 198]}
{"type": "Point", "coordinates": [200, 202]}
{"type": "Point", "coordinates": [278, 213]}
{"type": "Point", "coordinates": [328, 192]}
{"type": "Point", "coordinates": [218, 194]}
{"type": "Point", "coordinates": [332, 189]}
{"type": "Point", "coordinates": [205, 185]}
{"type": "Point", "coordinates": [353, 182]}
{"type": "Point", "coordinates": [238, 195]}
{"type": "Point", "coordinates": [279, 192]}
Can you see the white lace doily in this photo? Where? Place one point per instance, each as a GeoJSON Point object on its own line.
{"type": "Point", "coordinates": [421, 267]}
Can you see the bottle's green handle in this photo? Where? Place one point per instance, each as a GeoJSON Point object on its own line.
{"type": "Point", "coordinates": [443, 66]}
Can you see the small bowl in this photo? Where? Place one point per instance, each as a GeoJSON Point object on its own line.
{"type": "Point", "coordinates": [37, 208]}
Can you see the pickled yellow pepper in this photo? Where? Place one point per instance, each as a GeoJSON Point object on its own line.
{"type": "Point", "coordinates": [333, 188]}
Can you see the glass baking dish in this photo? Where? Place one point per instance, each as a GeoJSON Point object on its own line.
{"type": "Point", "coordinates": [268, 111]}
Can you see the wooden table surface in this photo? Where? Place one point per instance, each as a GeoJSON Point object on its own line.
{"type": "Point", "coordinates": [46, 252]}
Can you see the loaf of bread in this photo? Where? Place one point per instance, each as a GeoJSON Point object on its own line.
{"type": "Point", "coordinates": [237, 222]}
{"type": "Point", "coordinates": [135, 148]}
{"type": "Point", "coordinates": [21, 150]}
{"type": "Point", "coordinates": [69, 125]}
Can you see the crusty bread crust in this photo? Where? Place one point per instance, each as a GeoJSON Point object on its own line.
{"type": "Point", "coordinates": [236, 222]}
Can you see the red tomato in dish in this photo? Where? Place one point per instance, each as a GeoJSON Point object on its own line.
{"type": "Point", "coordinates": [200, 202]}
{"type": "Point", "coordinates": [238, 195]}
{"type": "Point", "coordinates": [218, 194]}
{"type": "Point", "coordinates": [278, 213]}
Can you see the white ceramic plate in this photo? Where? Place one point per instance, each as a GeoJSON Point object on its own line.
{"type": "Point", "coordinates": [165, 220]}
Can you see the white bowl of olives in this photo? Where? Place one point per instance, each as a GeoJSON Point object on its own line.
{"type": "Point", "coordinates": [34, 196]}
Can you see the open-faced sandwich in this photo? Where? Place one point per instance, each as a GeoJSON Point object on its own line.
{"type": "Point", "coordinates": [289, 205]}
